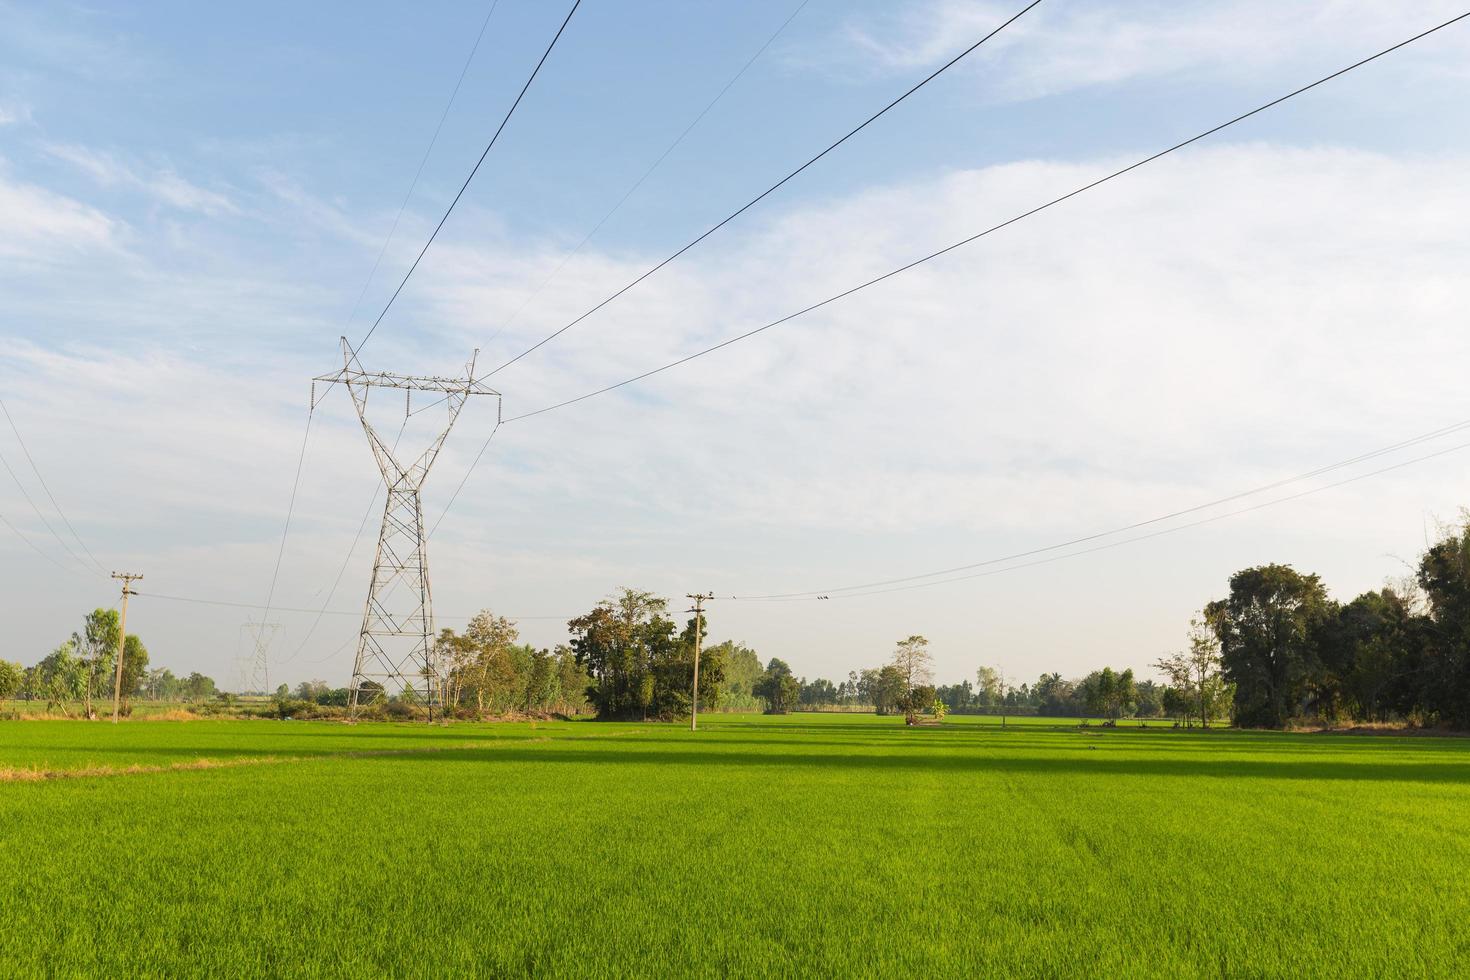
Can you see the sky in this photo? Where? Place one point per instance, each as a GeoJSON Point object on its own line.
{"type": "Point", "coordinates": [195, 199]}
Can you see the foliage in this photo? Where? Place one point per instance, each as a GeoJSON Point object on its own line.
{"type": "Point", "coordinates": [743, 669]}
{"type": "Point", "coordinates": [818, 693]}
{"type": "Point", "coordinates": [780, 691]}
{"type": "Point", "coordinates": [1108, 693]}
{"type": "Point", "coordinates": [488, 668]}
{"type": "Point", "coordinates": [134, 666]}
{"type": "Point", "coordinates": [639, 668]}
{"type": "Point", "coordinates": [61, 678]}
{"type": "Point", "coordinates": [1267, 628]}
{"type": "Point", "coordinates": [1401, 652]}
{"type": "Point", "coordinates": [96, 647]}
{"type": "Point", "coordinates": [915, 667]}
{"type": "Point", "coordinates": [1195, 675]}
{"type": "Point", "coordinates": [12, 676]}
{"type": "Point", "coordinates": [1443, 661]}
{"type": "Point", "coordinates": [198, 687]}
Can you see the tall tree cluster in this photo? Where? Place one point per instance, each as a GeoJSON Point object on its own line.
{"type": "Point", "coordinates": [82, 668]}
{"type": "Point", "coordinates": [639, 665]}
{"type": "Point", "coordinates": [488, 670]}
{"type": "Point", "coordinates": [1398, 653]}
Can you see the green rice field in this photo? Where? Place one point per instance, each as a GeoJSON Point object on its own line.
{"type": "Point", "coordinates": [821, 845]}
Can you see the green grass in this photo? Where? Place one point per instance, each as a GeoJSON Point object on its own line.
{"type": "Point", "coordinates": [832, 845]}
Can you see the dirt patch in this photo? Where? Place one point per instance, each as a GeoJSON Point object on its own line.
{"type": "Point", "coordinates": [41, 775]}
{"type": "Point", "coordinates": [15, 775]}
{"type": "Point", "coordinates": [1402, 731]}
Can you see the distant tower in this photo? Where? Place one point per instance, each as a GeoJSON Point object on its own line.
{"type": "Point", "coordinates": [256, 669]}
{"type": "Point", "coordinates": [395, 649]}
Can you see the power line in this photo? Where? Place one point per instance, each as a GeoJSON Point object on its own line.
{"type": "Point", "coordinates": [1002, 559]}
{"type": "Point", "coordinates": [290, 510]}
{"type": "Point", "coordinates": [26, 494]}
{"type": "Point", "coordinates": [346, 559]}
{"type": "Point", "coordinates": [810, 597]}
{"type": "Point", "coordinates": [988, 231]}
{"type": "Point", "coordinates": [413, 185]}
{"type": "Point", "coordinates": [37, 548]}
{"type": "Point", "coordinates": [652, 167]}
{"type": "Point", "coordinates": [1141, 537]}
{"type": "Point", "coordinates": [331, 593]}
{"type": "Point", "coordinates": [195, 600]}
{"type": "Point", "coordinates": [473, 463]}
{"type": "Point", "coordinates": [474, 170]}
{"type": "Point", "coordinates": [52, 497]}
{"type": "Point", "coordinates": [769, 190]}
{"type": "Point", "coordinates": [423, 162]}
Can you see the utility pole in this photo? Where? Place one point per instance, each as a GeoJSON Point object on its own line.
{"type": "Point", "coordinates": [698, 610]}
{"type": "Point", "coordinates": [127, 579]}
{"type": "Point", "coordinates": [1002, 697]}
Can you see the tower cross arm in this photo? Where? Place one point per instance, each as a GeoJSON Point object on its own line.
{"type": "Point", "coordinates": [411, 382]}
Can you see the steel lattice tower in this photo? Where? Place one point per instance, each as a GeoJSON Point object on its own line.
{"type": "Point", "coordinates": [395, 649]}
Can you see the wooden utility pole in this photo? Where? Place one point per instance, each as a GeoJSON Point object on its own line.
{"type": "Point", "coordinates": [1002, 697]}
{"type": "Point", "coordinates": [127, 578]}
{"type": "Point", "coordinates": [698, 610]}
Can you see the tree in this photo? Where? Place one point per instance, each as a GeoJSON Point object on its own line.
{"type": "Point", "coordinates": [914, 663]}
{"type": "Point", "coordinates": [542, 688]}
{"type": "Point", "coordinates": [1055, 697]}
{"type": "Point", "coordinates": [1124, 698]}
{"type": "Point", "coordinates": [456, 653]}
{"type": "Point", "coordinates": [988, 688]}
{"type": "Point", "coordinates": [1150, 700]}
{"type": "Point", "coordinates": [492, 658]}
{"type": "Point", "coordinates": [61, 678]}
{"type": "Point", "coordinates": [1195, 671]}
{"type": "Point", "coordinates": [1267, 629]}
{"type": "Point", "coordinates": [781, 691]}
{"type": "Point", "coordinates": [1368, 651]}
{"type": "Point", "coordinates": [134, 666]}
{"type": "Point", "coordinates": [11, 678]}
{"type": "Point", "coordinates": [571, 680]}
{"type": "Point", "coordinates": [162, 685]}
{"type": "Point", "coordinates": [1444, 575]}
{"type": "Point", "coordinates": [197, 687]}
{"type": "Point", "coordinates": [956, 696]}
{"type": "Point", "coordinates": [885, 689]}
{"type": "Point", "coordinates": [818, 693]}
{"type": "Point", "coordinates": [619, 643]}
{"type": "Point", "coordinates": [742, 670]}
{"type": "Point", "coordinates": [312, 690]}
{"type": "Point", "coordinates": [96, 645]}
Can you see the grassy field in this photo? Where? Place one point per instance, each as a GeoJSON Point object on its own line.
{"type": "Point", "coordinates": [813, 844]}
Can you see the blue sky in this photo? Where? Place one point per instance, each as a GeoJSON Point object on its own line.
{"type": "Point", "coordinates": [197, 194]}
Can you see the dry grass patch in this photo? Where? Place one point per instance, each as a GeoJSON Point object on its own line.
{"type": "Point", "coordinates": [37, 774]}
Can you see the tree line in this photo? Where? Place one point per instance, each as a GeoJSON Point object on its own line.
{"type": "Point", "coordinates": [1399, 653]}
{"type": "Point", "coordinates": [1277, 648]}
{"type": "Point", "coordinates": [82, 670]}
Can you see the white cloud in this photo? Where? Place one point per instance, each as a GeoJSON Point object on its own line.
{"type": "Point", "coordinates": [14, 112]}
{"type": "Point", "coordinates": [1220, 320]}
{"type": "Point", "coordinates": [1237, 315]}
{"type": "Point", "coordinates": [161, 184]}
{"type": "Point", "coordinates": [39, 224]}
{"type": "Point", "coordinates": [1068, 46]}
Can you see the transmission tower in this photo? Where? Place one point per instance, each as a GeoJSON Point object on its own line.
{"type": "Point", "coordinates": [395, 649]}
{"type": "Point", "coordinates": [255, 667]}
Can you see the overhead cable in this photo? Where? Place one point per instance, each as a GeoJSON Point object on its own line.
{"type": "Point", "coordinates": [982, 234]}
